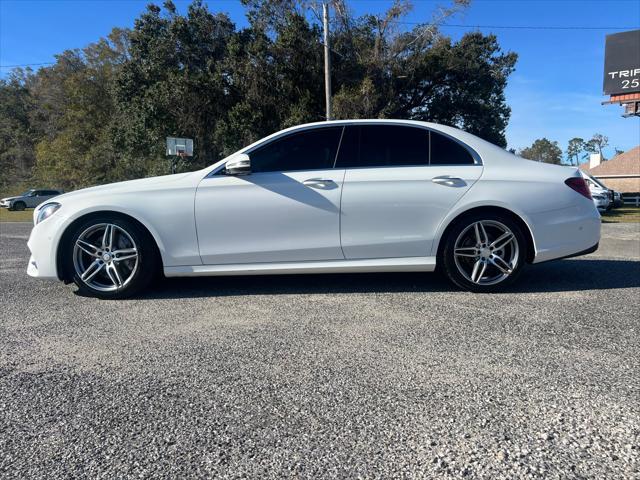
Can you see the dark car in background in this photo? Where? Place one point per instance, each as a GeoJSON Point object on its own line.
{"type": "Point", "coordinates": [617, 199]}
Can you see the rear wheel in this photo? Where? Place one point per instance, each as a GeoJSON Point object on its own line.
{"type": "Point", "coordinates": [484, 252]}
{"type": "Point", "coordinates": [111, 257]}
{"type": "Point", "coordinates": [19, 206]}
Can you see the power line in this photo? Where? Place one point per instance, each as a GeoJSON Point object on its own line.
{"type": "Point", "coordinates": [517, 27]}
{"type": "Point", "coordinates": [26, 64]}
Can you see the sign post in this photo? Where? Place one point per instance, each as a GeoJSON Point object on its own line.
{"type": "Point", "coordinates": [178, 148]}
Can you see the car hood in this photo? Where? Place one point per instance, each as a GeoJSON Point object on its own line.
{"type": "Point", "coordinates": [8, 199]}
{"type": "Point", "coordinates": [129, 186]}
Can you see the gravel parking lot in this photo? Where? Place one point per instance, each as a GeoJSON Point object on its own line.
{"type": "Point", "coordinates": [374, 376]}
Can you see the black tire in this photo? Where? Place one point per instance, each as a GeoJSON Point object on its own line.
{"type": "Point", "coordinates": [19, 206]}
{"type": "Point", "coordinates": [453, 272]}
{"type": "Point", "coordinates": [147, 258]}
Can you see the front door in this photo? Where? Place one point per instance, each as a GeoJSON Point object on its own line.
{"type": "Point", "coordinates": [286, 210]}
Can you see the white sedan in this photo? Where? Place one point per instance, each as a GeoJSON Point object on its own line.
{"type": "Point", "coordinates": [340, 196]}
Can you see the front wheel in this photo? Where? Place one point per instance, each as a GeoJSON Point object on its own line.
{"type": "Point", "coordinates": [484, 252]}
{"type": "Point", "coordinates": [19, 206]}
{"type": "Point", "coordinates": [111, 257]}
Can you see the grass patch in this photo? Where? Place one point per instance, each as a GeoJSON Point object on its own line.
{"type": "Point", "coordinates": [622, 215]}
{"type": "Point", "coordinates": [23, 216]}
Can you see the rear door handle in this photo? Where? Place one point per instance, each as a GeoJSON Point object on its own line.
{"type": "Point", "coordinates": [448, 181]}
{"type": "Point", "coordinates": [320, 183]}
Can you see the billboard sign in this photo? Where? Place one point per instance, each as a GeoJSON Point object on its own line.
{"type": "Point", "coordinates": [622, 63]}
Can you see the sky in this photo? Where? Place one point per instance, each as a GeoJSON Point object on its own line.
{"type": "Point", "coordinates": [555, 91]}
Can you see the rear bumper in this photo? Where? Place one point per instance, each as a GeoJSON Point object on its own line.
{"type": "Point", "coordinates": [566, 232]}
{"type": "Point", "coordinates": [578, 254]}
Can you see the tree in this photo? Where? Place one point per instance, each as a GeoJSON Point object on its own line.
{"type": "Point", "coordinates": [17, 137]}
{"type": "Point", "coordinates": [575, 148]}
{"type": "Point", "coordinates": [174, 83]}
{"type": "Point", "coordinates": [597, 143]}
{"type": "Point", "coordinates": [101, 113]}
{"type": "Point", "coordinates": [380, 71]}
{"type": "Point", "coordinates": [543, 150]}
{"type": "Point", "coordinates": [75, 111]}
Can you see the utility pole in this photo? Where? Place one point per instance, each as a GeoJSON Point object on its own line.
{"type": "Point", "coordinates": [327, 59]}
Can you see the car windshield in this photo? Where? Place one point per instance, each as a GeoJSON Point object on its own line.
{"type": "Point", "coordinates": [27, 193]}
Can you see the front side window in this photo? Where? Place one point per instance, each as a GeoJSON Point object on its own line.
{"type": "Point", "coordinates": [313, 149]}
{"type": "Point", "coordinates": [446, 151]}
{"type": "Point", "coordinates": [383, 146]}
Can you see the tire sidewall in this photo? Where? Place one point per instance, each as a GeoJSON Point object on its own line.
{"type": "Point", "coordinates": [19, 206]}
{"type": "Point", "coordinates": [447, 259]}
{"type": "Point", "coordinates": [146, 260]}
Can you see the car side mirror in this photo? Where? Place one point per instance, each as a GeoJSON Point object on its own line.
{"type": "Point", "coordinates": [238, 165]}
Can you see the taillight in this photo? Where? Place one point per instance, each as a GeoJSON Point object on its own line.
{"type": "Point", "coordinates": [579, 185]}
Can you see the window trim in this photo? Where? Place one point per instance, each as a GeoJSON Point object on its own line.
{"type": "Point", "coordinates": [220, 171]}
{"type": "Point", "coordinates": [476, 157]}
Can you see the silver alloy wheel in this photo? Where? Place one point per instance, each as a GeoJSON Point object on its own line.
{"type": "Point", "coordinates": [486, 252]}
{"type": "Point", "coordinates": [105, 257]}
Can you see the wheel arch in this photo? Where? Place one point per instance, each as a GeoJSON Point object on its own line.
{"type": "Point", "coordinates": [66, 276]}
{"type": "Point", "coordinates": [531, 247]}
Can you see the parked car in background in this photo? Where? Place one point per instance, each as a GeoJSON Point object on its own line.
{"type": "Point", "coordinates": [617, 199]}
{"type": "Point", "coordinates": [29, 199]}
{"type": "Point", "coordinates": [601, 202]}
{"type": "Point", "coordinates": [342, 196]}
{"type": "Point", "coordinates": [602, 196]}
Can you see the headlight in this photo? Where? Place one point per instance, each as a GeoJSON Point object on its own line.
{"type": "Point", "coordinates": [46, 211]}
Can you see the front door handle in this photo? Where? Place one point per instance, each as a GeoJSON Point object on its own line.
{"type": "Point", "coordinates": [320, 183]}
{"type": "Point", "coordinates": [449, 181]}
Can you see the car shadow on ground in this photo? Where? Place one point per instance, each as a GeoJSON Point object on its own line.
{"type": "Point", "coordinates": [556, 276]}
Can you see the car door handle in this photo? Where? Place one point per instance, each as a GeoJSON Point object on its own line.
{"type": "Point", "coordinates": [449, 181]}
{"type": "Point", "coordinates": [320, 183]}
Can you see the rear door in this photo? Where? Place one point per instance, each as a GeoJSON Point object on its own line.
{"type": "Point", "coordinates": [400, 182]}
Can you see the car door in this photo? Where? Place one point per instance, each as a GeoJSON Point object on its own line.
{"type": "Point", "coordinates": [34, 199]}
{"type": "Point", "coordinates": [46, 195]}
{"type": "Point", "coordinates": [400, 182]}
{"type": "Point", "coordinates": [286, 210]}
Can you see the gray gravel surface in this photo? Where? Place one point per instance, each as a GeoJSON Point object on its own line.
{"type": "Point", "coordinates": [372, 376]}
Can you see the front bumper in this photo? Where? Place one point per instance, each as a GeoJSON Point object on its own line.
{"type": "Point", "coordinates": [42, 244]}
{"type": "Point", "coordinates": [601, 203]}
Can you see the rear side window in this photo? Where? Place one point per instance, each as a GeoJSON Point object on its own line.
{"type": "Point", "coordinates": [445, 151]}
{"type": "Point", "coordinates": [308, 150]}
{"type": "Point", "coordinates": [383, 146]}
